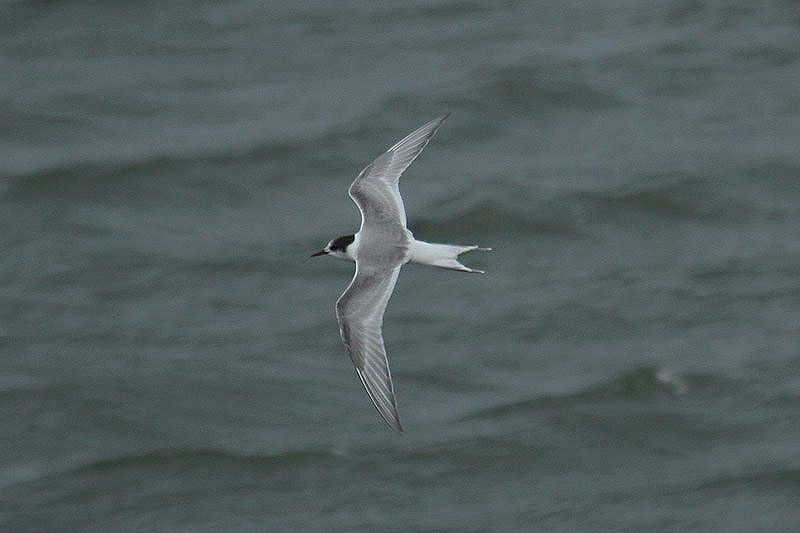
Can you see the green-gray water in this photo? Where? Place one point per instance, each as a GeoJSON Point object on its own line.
{"type": "Point", "coordinates": [169, 355]}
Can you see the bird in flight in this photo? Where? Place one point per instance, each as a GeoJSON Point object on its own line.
{"type": "Point", "coordinates": [379, 249]}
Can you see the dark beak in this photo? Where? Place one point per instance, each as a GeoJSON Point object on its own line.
{"type": "Point", "coordinates": [321, 252]}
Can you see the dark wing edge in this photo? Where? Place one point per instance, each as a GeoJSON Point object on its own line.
{"type": "Point", "coordinates": [409, 147]}
{"type": "Point", "coordinates": [380, 179]}
{"type": "Point", "coordinates": [360, 314]}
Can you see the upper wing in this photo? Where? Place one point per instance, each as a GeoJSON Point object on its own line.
{"type": "Point", "coordinates": [359, 311]}
{"type": "Point", "coordinates": [376, 192]}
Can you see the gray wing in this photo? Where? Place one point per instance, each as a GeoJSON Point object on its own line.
{"type": "Point", "coordinates": [359, 311]}
{"type": "Point", "coordinates": [376, 190]}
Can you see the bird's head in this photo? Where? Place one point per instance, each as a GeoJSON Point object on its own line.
{"type": "Point", "coordinates": [339, 248]}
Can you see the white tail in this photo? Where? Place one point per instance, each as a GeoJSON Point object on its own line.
{"type": "Point", "coordinates": [441, 255]}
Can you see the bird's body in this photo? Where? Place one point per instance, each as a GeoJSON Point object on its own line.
{"type": "Point", "coordinates": [379, 249]}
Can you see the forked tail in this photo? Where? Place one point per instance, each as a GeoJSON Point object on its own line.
{"type": "Point", "coordinates": [442, 255]}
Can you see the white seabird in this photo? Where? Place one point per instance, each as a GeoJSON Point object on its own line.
{"type": "Point", "coordinates": [381, 247]}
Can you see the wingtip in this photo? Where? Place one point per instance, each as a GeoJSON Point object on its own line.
{"type": "Point", "coordinates": [440, 120]}
{"type": "Point", "coordinates": [393, 422]}
{"type": "Point", "coordinates": [388, 413]}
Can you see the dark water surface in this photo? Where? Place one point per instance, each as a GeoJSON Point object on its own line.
{"type": "Point", "coordinates": [169, 356]}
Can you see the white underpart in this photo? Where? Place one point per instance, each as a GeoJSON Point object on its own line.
{"type": "Point", "coordinates": [423, 253]}
{"type": "Point", "coordinates": [440, 255]}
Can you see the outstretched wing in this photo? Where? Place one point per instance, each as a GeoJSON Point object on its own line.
{"type": "Point", "coordinates": [359, 311]}
{"type": "Point", "coordinates": [376, 190]}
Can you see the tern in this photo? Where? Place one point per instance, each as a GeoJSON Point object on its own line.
{"type": "Point", "coordinates": [379, 249]}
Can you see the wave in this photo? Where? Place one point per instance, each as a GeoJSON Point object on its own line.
{"type": "Point", "coordinates": [491, 217]}
{"type": "Point", "coordinates": [510, 208]}
{"type": "Point", "coordinates": [186, 457]}
{"type": "Point", "coordinates": [673, 195]}
{"type": "Point", "coordinates": [542, 90]}
{"type": "Point", "coordinates": [282, 158]}
{"type": "Point", "coordinates": [182, 459]}
{"type": "Point", "coordinates": [505, 208]}
{"type": "Point", "coordinates": [766, 479]}
{"type": "Point", "coordinates": [641, 383]}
